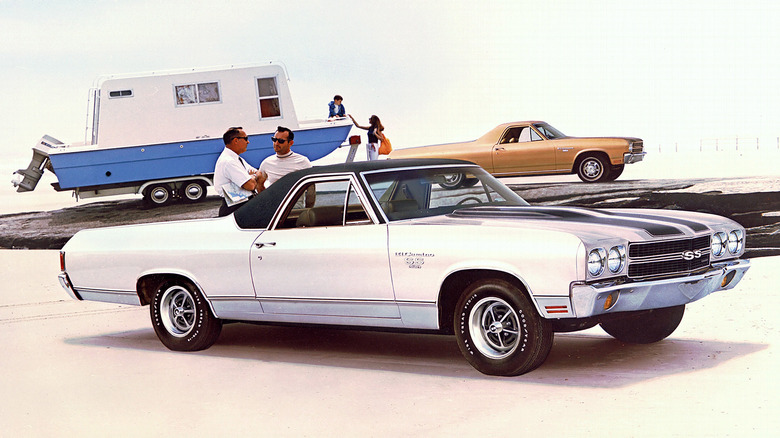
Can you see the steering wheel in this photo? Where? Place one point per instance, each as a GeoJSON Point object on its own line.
{"type": "Point", "coordinates": [470, 198]}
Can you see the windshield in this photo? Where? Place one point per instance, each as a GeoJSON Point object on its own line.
{"type": "Point", "coordinates": [415, 193]}
{"type": "Point", "coordinates": [548, 131]}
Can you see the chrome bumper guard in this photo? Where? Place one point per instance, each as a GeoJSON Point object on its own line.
{"type": "Point", "coordinates": [602, 298]}
{"type": "Point", "coordinates": [630, 158]}
{"type": "Point", "coordinates": [66, 284]}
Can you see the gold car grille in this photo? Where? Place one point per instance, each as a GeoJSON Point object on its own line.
{"type": "Point", "coordinates": [637, 147]}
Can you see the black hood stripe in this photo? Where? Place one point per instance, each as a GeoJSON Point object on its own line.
{"type": "Point", "coordinates": [695, 226]}
{"type": "Point", "coordinates": [580, 215]}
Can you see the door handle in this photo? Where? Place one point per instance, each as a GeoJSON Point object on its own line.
{"type": "Point", "coordinates": [500, 149]}
{"type": "Point", "coordinates": [264, 244]}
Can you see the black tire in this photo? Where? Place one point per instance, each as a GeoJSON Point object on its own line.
{"type": "Point", "coordinates": [499, 331]}
{"type": "Point", "coordinates": [615, 172]}
{"type": "Point", "coordinates": [593, 168]}
{"type": "Point", "coordinates": [470, 182]}
{"type": "Point", "coordinates": [182, 319]}
{"type": "Point", "coordinates": [193, 191]}
{"type": "Point", "coordinates": [453, 181]}
{"type": "Point", "coordinates": [157, 195]}
{"type": "Point", "coordinates": [645, 327]}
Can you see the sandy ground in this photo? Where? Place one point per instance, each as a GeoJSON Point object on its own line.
{"type": "Point", "coordinates": [90, 369]}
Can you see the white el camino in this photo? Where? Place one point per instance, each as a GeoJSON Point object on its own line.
{"type": "Point", "coordinates": [382, 244]}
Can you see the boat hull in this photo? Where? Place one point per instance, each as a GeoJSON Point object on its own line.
{"type": "Point", "coordinates": [93, 166]}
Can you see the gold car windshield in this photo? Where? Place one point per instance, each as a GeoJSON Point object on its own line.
{"type": "Point", "coordinates": [417, 193]}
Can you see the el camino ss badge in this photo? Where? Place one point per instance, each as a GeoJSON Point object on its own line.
{"type": "Point", "coordinates": [413, 260]}
{"type": "Point", "coordinates": [690, 255]}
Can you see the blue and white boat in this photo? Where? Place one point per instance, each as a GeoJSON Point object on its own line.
{"type": "Point", "coordinates": [159, 134]}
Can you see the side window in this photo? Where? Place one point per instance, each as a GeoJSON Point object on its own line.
{"type": "Point", "coordinates": [511, 135]}
{"type": "Point", "coordinates": [193, 94]}
{"type": "Point", "coordinates": [268, 98]}
{"type": "Point", "coordinates": [322, 204]}
{"type": "Point", "coordinates": [534, 135]}
{"type": "Point", "coordinates": [525, 136]}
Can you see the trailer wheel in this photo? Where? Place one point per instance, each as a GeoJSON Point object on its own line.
{"type": "Point", "coordinates": [157, 195]}
{"type": "Point", "coordinates": [193, 191]}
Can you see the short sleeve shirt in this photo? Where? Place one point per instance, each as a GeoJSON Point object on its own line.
{"type": "Point", "coordinates": [276, 167]}
{"type": "Point", "coordinates": [231, 168]}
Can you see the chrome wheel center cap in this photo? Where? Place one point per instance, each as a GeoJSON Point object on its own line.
{"type": "Point", "coordinates": [496, 327]}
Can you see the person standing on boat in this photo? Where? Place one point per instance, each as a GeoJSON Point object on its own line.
{"type": "Point", "coordinates": [335, 108]}
{"type": "Point", "coordinates": [234, 179]}
{"type": "Point", "coordinates": [374, 129]}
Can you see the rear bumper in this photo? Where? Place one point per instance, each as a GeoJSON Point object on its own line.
{"type": "Point", "coordinates": [597, 299]}
{"type": "Point", "coordinates": [630, 158]}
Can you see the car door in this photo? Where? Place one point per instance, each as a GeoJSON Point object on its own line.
{"type": "Point", "coordinates": [325, 256]}
{"type": "Point", "coordinates": [522, 150]}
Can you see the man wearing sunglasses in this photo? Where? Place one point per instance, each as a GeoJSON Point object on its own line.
{"type": "Point", "coordinates": [234, 179]}
{"type": "Point", "coordinates": [285, 161]}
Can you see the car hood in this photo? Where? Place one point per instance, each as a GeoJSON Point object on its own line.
{"type": "Point", "coordinates": [592, 225]}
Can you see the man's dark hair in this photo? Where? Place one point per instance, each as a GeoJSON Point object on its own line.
{"type": "Point", "coordinates": [230, 134]}
{"type": "Point", "coordinates": [290, 134]}
{"type": "Point", "coordinates": [337, 97]}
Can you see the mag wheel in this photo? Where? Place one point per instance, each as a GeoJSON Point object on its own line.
{"type": "Point", "coordinates": [593, 169]}
{"type": "Point", "coordinates": [645, 327]}
{"type": "Point", "coordinates": [182, 318]}
{"type": "Point", "coordinates": [453, 181]}
{"type": "Point", "coordinates": [499, 331]}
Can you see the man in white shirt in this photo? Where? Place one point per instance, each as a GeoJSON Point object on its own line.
{"type": "Point", "coordinates": [285, 161]}
{"type": "Point", "coordinates": [234, 179]}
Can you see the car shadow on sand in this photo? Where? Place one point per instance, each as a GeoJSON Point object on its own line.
{"type": "Point", "coordinates": [586, 360]}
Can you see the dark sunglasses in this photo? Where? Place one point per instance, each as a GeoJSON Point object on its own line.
{"type": "Point", "coordinates": [244, 138]}
{"type": "Point", "coordinates": [278, 140]}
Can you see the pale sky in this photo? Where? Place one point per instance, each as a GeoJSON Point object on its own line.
{"type": "Point", "coordinates": [434, 71]}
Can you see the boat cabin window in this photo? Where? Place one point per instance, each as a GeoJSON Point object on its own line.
{"type": "Point", "coordinates": [120, 93]}
{"type": "Point", "coordinates": [193, 94]}
{"type": "Point", "coordinates": [268, 97]}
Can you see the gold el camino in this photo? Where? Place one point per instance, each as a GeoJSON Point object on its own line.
{"type": "Point", "coordinates": [536, 148]}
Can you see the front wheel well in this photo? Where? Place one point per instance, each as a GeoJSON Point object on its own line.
{"type": "Point", "coordinates": [587, 154]}
{"type": "Point", "coordinates": [148, 285]}
{"type": "Point", "coordinates": [454, 285]}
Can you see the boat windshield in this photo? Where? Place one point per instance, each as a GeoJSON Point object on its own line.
{"type": "Point", "coordinates": [548, 131]}
{"type": "Point", "coordinates": [423, 192]}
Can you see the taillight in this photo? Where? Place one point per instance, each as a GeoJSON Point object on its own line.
{"type": "Point", "coordinates": [62, 261]}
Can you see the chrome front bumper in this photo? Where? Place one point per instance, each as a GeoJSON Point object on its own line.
{"type": "Point", "coordinates": [594, 299]}
{"type": "Point", "coordinates": [630, 158]}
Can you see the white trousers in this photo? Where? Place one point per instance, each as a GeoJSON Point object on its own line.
{"type": "Point", "coordinates": [372, 151]}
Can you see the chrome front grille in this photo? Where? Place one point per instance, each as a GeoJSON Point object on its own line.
{"type": "Point", "coordinates": [670, 257]}
{"type": "Point", "coordinates": [636, 147]}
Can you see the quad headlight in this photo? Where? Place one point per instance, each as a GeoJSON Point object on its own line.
{"type": "Point", "coordinates": [736, 241]}
{"type": "Point", "coordinates": [718, 244]}
{"type": "Point", "coordinates": [616, 260]}
{"type": "Point", "coordinates": [600, 260]}
{"type": "Point", "coordinates": [597, 258]}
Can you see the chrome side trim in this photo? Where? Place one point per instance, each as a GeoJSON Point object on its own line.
{"type": "Point", "coordinates": [109, 296]}
{"type": "Point", "coordinates": [588, 299]}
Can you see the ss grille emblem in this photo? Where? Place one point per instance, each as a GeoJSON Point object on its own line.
{"type": "Point", "coordinates": [690, 255]}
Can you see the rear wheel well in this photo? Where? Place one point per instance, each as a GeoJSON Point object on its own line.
{"type": "Point", "coordinates": [454, 285]}
{"type": "Point", "coordinates": [148, 285]}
